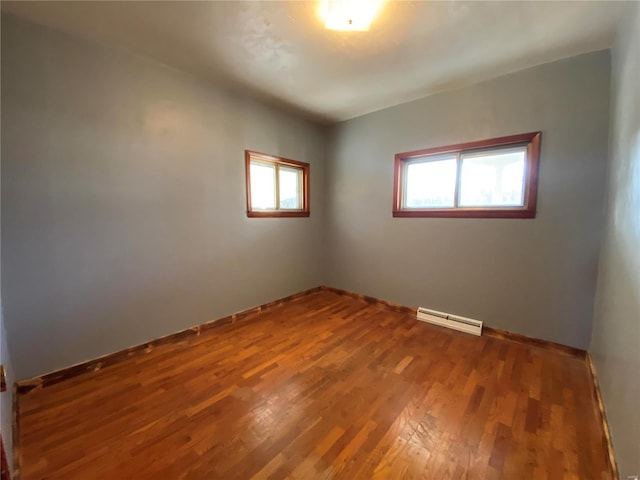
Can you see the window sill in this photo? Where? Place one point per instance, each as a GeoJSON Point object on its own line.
{"type": "Point", "coordinates": [278, 214]}
{"type": "Point", "coordinates": [466, 213]}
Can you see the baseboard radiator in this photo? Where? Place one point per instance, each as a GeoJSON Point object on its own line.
{"type": "Point", "coordinates": [455, 322]}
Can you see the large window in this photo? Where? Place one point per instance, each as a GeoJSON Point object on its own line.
{"type": "Point", "coordinates": [276, 187]}
{"type": "Point", "coordinates": [490, 178]}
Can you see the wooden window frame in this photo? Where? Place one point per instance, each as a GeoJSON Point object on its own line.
{"type": "Point", "coordinates": [278, 161]}
{"type": "Point", "coordinates": [527, 210]}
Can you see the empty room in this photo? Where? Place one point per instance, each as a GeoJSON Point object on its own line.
{"type": "Point", "coordinates": [328, 239]}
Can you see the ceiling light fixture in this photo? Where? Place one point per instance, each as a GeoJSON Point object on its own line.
{"type": "Point", "coordinates": [349, 15]}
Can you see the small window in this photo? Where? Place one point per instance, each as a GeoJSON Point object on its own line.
{"type": "Point", "coordinates": [276, 187]}
{"type": "Point", "coordinates": [491, 178]}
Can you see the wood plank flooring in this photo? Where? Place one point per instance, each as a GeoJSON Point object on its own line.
{"type": "Point", "coordinates": [325, 386]}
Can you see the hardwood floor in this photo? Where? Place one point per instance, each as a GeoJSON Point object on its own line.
{"type": "Point", "coordinates": [325, 386]}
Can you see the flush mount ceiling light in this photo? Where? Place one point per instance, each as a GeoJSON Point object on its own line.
{"type": "Point", "coordinates": [349, 15]}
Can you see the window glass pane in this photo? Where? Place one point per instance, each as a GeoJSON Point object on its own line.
{"type": "Point", "coordinates": [263, 186]}
{"type": "Point", "coordinates": [430, 184]}
{"type": "Point", "coordinates": [290, 179]}
{"type": "Point", "coordinates": [493, 178]}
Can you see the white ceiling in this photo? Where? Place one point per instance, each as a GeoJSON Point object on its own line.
{"type": "Point", "coordinates": [281, 52]}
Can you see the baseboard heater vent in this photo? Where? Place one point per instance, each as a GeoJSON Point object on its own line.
{"type": "Point", "coordinates": [462, 324]}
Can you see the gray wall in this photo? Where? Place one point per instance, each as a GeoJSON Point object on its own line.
{"type": "Point", "coordinates": [6, 398]}
{"type": "Point", "coordinates": [123, 200]}
{"type": "Point", "coordinates": [535, 277]}
{"type": "Point", "coordinates": [615, 344]}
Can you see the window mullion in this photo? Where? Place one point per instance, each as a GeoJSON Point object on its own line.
{"type": "Point", "coordinates": [458, 174]}
{"type": "Point", "coordinates": [277, 189]}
